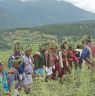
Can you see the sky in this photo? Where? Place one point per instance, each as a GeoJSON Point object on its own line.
{"type": "Point", "coordinates": [88, 5]}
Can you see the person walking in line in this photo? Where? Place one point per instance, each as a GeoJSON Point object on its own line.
{"type": "Point", "coordinates": [28, 69]}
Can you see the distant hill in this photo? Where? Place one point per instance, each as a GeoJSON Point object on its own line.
{"type": "Point", "coordinates": [7, 20]}
{"type": "Point", "coordinates": [46, 32]}
{"type": "Point", "coordinates": [75, 29]}
{"type": "Point", "coordinates": [41, 12]}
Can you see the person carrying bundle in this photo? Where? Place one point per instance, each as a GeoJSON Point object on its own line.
{"type": "Point", "coordinates": [39, 62]}
{"type": "Point", "coordinates": [28, 70]}
{"type": "Point", "coordinates": [17, 53]}
{"type": "Point", "coordinates": [13, 76]}
{"type": "Point", "coordinates": [52, 61]}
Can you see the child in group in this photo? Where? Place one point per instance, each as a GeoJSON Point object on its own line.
{"type": "Point", "coordinates": [3, 81]}
{"type": "Point", "coordinates": [13, 76]}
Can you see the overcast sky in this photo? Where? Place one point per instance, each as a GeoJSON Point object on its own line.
{"type": "Point", "coordinates": [88, 5]}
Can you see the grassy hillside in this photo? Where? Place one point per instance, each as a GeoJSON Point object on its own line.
{"type": "Point", "coordinates": [74, 29]}
{"type": "Point", "coordinates": [78, 83]}
{"type": "Point", "coordinates": [58, 32]}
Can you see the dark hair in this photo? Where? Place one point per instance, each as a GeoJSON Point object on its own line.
{"type": "Point", "coordinates": [78, 46]}
{"type": "Point", "coordinates": [88, 41]}
{"type": "Point", "coordinates": [63, 46]}
{"type": "Point", "coordinates": [83, 41]}
{"type": "Point", "coordinates": [65, 42]}
{"type": "Point", "coordinates": [70, 47]}
{"type": "Point", "coordinates": [89, 37]}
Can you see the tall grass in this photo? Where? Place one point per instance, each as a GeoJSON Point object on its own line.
{"type": "Point", "coordinates": [78, 83]}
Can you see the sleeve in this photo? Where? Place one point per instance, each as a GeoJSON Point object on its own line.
{"type": "Point", "coordinates": [60, 58]}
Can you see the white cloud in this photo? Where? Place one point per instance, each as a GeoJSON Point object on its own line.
{"type": "Point", "coordinates": [88, 5]}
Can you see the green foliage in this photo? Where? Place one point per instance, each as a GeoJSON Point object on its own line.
{"type": "Point", "coordinates": [78, 83]}
{"type": "Point", "coordinates": [76, 29]}
{"type": "Point", "coordinates": [26, 36]}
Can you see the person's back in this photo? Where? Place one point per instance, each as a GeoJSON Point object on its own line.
{"type": "Point", "coordinates": [86, 54]}
{"type": "Point", "coordinates": [36, 63]}
{"type": "Point", "coordinates": [37, 57]}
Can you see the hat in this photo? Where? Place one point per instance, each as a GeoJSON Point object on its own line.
{"type": "Point", "coordinates": [38, 53]}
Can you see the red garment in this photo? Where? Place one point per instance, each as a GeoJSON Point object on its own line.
{"type": "Point", "coordinates": [57, 70]}
{"type": "Point", "coordinates": [64, 55]}
{"type": "Point", "coordinates": [93, 50]}
{"type": "Point", "coordinates": [65, 68]}
{"type": "Point", "coordinates": [57, 66]}
{"type": "Point", "coordinates": [75, 59]}
{"type": "Point", "coordinates": [71, 56]}
{"type": "Point", "coordinates": [50, 56]}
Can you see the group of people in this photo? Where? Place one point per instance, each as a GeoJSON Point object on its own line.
{"type": "Point", "coordinates": [50, 62]}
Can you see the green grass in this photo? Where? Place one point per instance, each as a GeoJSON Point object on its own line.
{"type": "Point", "coordinates": [78, 83]}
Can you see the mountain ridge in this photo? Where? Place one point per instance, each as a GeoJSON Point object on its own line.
{"type": "Point", "coordinates": [45, 12]}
